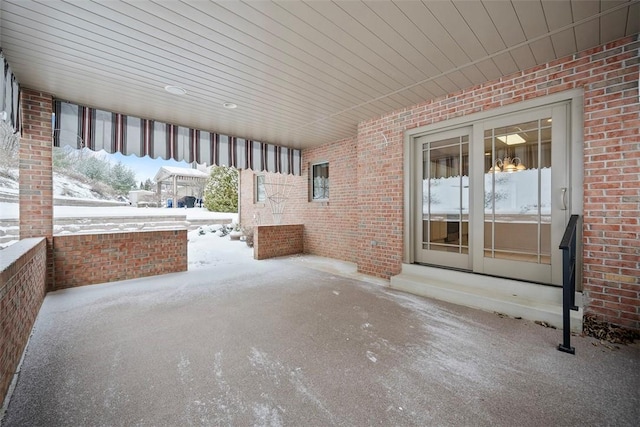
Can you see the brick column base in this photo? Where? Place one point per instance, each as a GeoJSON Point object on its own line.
{"type": "Point", "coordinates": [36, 171]}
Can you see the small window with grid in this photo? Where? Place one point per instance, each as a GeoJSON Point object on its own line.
{"type": "Point", "coordinates": [320, 181]}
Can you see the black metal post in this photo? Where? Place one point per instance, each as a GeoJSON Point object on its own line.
{"type": "Point", "coordinates": [566, 301]}
{"type": "Point", "coordinates": [568, 246]}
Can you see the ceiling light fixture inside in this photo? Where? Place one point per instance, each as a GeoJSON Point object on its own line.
{"type": "Point", "coordinates": [175, 90]}
{"type": "Point", "coordinates": [512, 139]}
{"type": "Point", "coordinates": [229, 105]}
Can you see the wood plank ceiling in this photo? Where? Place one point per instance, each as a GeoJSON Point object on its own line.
{"type": "Point", "coordinates": [301, 73]}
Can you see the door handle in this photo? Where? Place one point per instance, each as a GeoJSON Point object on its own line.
{"type": "Point", "coordinates": [563, 198]}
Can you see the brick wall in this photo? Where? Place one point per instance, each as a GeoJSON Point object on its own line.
{"type": "Point", "coordinates": [612, 182]}
{"type": "Point", "coordinates": [270, 241]}
{"type": "Point", "coordinates": [373, 216]}
{"type": "Point", "coordinates": [86, 259]}
{"type": "Point", "coordinates": [330, 228]}
{"type": "Point", "coordinates": [380, 196]}
{"type": "Point", "coordinates": [252, 213]}
{"type": "Point", "coordinates": [609, 77]}
{"type": "Point", "coordinates": [22, 289]}
{"type": "Point", "coordinates": [36, 169]}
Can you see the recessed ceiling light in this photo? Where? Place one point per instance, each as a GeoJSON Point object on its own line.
{"type": "Point", "coordinates": [175, 90]}
{"type": "Point", "coordinates": [229, 105]}
{"type": "Point", "coordinates": [512, 139]}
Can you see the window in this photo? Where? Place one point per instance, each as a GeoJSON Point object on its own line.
{"type": "Point", "coordinates": [320, 181]}
{"type": "Point", "coordinates": [489, 194]}
{"type": "Point", "coordinates": [260, 192]}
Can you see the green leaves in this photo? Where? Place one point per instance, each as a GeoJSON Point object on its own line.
{"type": "Point", "coordinates": [221, 191]}
{"type": "Point", "coordinates": [122, 178]}
{"type": "Point", "coordinates": [95, 168]}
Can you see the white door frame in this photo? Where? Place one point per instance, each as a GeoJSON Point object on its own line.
{"type": "Point", "coordinates": [444, 258]}
{"type": "Point", "coordinates": [544, 273]}
{"type": "Point", "coordinates": [575, 128]}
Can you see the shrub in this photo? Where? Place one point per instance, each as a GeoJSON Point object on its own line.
{"type": "Point", "coordinates": [122, 178]}
{"type": "Point", "coordinates": [221, 191]}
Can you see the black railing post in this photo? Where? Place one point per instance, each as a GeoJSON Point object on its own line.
{"type": "Point", "coordinates": [568, 246]}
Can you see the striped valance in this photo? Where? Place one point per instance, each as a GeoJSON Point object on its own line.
{"type": "Point", "coordinates": [9, 94]}
{"type": "Point", "coordinates": [78, 126]}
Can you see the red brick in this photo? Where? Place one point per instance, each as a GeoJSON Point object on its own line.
{"type": "Point", "coordinates": [277, 240]}
{"type": "Point", "coordinates": [22, 289]}
{"type": "Point", "coordinates": [82, 259]}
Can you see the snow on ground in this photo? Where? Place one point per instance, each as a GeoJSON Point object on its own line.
{"type": "Point", "coordinates": [7, 244]}
{"type": "Point", "coordinates": [8, 185]}
{"type": "Point", "coordinates": [71, 189]}
{"type": "Point", "coordinates": [106, 219]}
{"type": "Point", "coordinates": [66, 186]}
{"type": "Point", "coordinates": [207, 249]}
{"type": "Point", "coordinates": [63, 186]}
{"type": "Point", "coordinates": [11, 211]}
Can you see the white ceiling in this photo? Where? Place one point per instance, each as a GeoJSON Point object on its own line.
{"type": "Point", "coordinates": [301, 73]}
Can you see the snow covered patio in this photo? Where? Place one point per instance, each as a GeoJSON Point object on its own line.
{"type": "Point", "coordinates": [302, 341]}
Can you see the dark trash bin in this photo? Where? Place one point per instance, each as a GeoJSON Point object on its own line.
{"type": "Point", "coordinates": [186, 202]}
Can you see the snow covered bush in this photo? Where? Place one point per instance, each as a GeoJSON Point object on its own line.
{"type": "Point", "coordinates": [248, 233]}
{"type": "Point", "coordinates": [122, 178]}
{"type": "Point", "coordinates": [221, 191]}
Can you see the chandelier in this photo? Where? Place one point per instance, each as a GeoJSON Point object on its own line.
{"type": "Point", "coordinates": [507, 164]}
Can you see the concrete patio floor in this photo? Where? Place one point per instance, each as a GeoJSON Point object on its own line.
{"type": "Point", "coordinates": [238, 342]}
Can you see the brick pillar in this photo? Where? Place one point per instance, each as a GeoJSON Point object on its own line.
{"type": "Point", "coordinates": [36, 171]}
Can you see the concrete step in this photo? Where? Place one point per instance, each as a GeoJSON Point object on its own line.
{"type": "Point", "coordinates": [70, 201]}
{"type": "Point", "coordinates": [194, 224]}
{"type": "Point", "coordinates": [9, 230]}
{"type": "Point", "coordinates": [511, 297]}
{"type": "Point", "coordinates": [7, 197]}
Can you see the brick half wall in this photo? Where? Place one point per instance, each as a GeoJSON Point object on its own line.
{"type": "Point", "coordinates": [272, 241]}
{"type": "Point", "coordinates": [330, 227]}
{"type": "Point", "coordinates": [87, 259]}
{"type": "Point", "coordinates": [22, 289]}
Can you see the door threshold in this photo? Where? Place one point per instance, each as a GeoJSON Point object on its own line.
{"type": "Point", "coordinates": [516, 298]}
{"type": "Point", "coordinates": [463, 270]}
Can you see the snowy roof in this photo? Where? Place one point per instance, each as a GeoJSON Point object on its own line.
{"type": "Point", "coordinates": [143, 192]}
{"type": "Point", "coordinates": [182, 174]}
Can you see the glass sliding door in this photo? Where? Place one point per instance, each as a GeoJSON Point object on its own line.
{"type": "Point", "coordinates": [444, 196]}
{"type": "Point", "coordinates": [524, 205]}
{"type": "Point", "coordinates": [517, 192]}
{"type": "Point", "coordinates": [492, 197]}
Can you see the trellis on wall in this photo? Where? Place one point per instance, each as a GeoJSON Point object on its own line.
{"type": "Point", "coordinates": [277, 188]}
